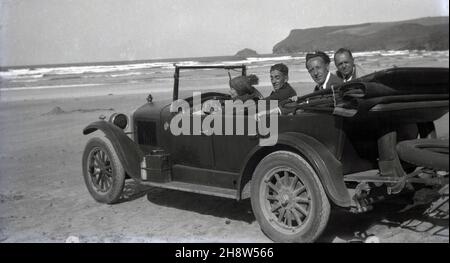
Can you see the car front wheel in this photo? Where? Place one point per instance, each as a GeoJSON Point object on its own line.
{"type": "Point", "coordinates": [103, 173]}
{"type": "Point", "coordinates": [288, 199]}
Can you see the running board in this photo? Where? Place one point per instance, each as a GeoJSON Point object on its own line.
{"type": "Point", "coordinates": [195, 188]}
{"type": "Point", "coordinates": [372, 176]}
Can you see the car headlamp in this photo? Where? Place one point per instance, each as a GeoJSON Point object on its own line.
{"type": "Point", "coordinates": [120, 120]}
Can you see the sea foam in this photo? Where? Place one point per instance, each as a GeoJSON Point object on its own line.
{"type": "Point", "coordinates": [143, 69]}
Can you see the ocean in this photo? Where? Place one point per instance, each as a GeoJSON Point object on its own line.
{"type": "Point", "coordinates": [160, 72]}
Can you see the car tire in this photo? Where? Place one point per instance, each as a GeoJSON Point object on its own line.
{"type": "Point", "coordinates": [430, 153]}
{"type": "Point", "coordinates": [103, 172]}
{"type": "Point", "coordinates": [288, 199]}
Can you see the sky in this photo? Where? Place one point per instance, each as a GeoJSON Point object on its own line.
{"type": "Point", "coordinates": [73, 31]}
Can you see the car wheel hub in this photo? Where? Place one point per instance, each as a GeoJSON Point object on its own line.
{"type": "Point", "coordinates": [285, 200]}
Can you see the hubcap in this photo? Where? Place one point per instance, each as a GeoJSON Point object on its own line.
{"type": "Point", "coordinates": [285, 200]}
{"type": "Point", "coordinates": [100, 170]}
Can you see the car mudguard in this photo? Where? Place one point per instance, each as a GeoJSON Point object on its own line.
{"type": "Point", "coordinates": [128, 151]}
{"type": "Point", "coordinates": [328, 168]}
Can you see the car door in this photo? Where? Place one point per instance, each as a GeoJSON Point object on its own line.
{"type": "Point", "coordinates": [187, 149]}
{"type": "Point", "coordinates": [230, 150]}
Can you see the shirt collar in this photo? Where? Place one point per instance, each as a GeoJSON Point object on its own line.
{"type": "Point", "coordinates": [324, 85]}
{"type": "Point", "coordinates": [351, 76]}
{"type": "Point", "coordinates": [282, 87]}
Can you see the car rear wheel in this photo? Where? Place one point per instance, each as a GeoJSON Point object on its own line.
{"type": "Point", "coordinates": [288, 199]}
{"type": "Point", "coordinates": [102, 171]}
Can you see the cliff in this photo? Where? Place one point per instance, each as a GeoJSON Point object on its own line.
{"type": "Point", "coordinates": [430, 33]}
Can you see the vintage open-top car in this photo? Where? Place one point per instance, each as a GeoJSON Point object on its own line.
{"type": "Point", "coordinates": [345, 147]}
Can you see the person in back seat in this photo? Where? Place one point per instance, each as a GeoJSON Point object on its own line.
{"type": "Point", "coordinates": [347, 70]}
{"type": "Point", "coordinates": [318, 66]}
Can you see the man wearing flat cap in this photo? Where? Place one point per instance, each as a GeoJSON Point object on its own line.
{"type": "Point", "coordinates": [318, 66]}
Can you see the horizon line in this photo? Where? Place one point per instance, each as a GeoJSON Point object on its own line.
{"type": "Point", "coordinates": [179, 59]}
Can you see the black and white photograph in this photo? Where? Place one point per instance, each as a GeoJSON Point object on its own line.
{"type": "Point", "coordinates": [224, 121]}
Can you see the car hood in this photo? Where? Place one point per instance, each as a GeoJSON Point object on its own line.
{"type": "Point", "coordinates": [151, 110]}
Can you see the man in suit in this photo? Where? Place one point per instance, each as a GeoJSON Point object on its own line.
{"type": "Point", "coordinates": [347, 70]}
{"type": "Point", "coordinates": [318, 66]}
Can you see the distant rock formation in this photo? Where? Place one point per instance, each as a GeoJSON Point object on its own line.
{"type": "Point", "coordinates": [246, 52]}
{"type": "Point", "coordinates": [430, 33]}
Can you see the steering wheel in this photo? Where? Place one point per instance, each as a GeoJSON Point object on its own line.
{"type": "Point", "coordinates": [212, 103]}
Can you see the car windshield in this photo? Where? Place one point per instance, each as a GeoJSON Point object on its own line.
{"type": "Point", "coordinates": [205, 80]}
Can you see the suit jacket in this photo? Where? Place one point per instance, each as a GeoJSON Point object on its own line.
{"type": "Point", "coordinates": [357, 72]}
{"type": "Point", "coordinates": [332, 81]}
{"type": "Point", "coordinates": [282, 94]}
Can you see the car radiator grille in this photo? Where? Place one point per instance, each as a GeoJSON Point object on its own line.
{"type": "Point", "coordinates": [146, 131]}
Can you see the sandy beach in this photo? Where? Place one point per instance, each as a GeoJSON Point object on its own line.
{"type": "Point", "coordinates": [43, 197]}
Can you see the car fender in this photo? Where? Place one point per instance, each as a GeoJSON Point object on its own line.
{"type": "Point", "coordinates": [127, 150]}
{"type": "Point", "coordinates": [328, 168]}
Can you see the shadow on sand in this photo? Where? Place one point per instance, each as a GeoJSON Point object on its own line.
{"type": "Point", "coordinates": [202, 204]}
{"type": "Point", "coordinates": [133, 190]}
{"type": "Point", "coordinates": [342, 224]}
{"type": "Point", "coordinates": [387, 215]}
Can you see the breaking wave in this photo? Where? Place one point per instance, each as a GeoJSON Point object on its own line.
{"type": "Point", "coordinates": [141, 70]}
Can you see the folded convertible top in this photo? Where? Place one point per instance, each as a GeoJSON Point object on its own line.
{"type": "Point", "coordinates": [397, 81]}
{"type": "Point", "coordinates": [408, 80]}
{"type": "Point", "coordinates": [391, 90]}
